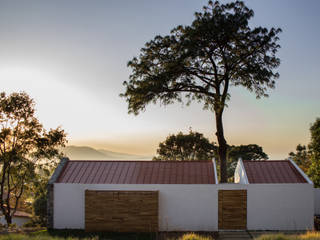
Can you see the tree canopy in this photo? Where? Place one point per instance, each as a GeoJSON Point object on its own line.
{"type": "Point", "coordinates": [301, 157]}
{"type": "Point", "coordinates": [185, 147]}
{"type": "Point", "coordinates": [308, 157]}
{"type": "Point", "coordinates": [25, 149]}
{"type": "Point", "coordinates": [250, 152]}
{"type": "Point", "coordinates": [201, 61]}
{"type": "Point", "coordinates": [314, 147]}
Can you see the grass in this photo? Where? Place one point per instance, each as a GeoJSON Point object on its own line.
{"type": "Point", "coordinates": [82, 235]}
{"type": "Point", "coordinates": [306, 236]}
{"type": "Point", "coordinates": [77, 235]}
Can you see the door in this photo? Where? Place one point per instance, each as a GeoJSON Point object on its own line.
{"type": "Point", "coordinates": [232, 211]}
{"type": "Point", "coordinates": [121, 211]}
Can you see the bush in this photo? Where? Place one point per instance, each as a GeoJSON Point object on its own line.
{"type": "Point", "coordinates": [311, 236]}
{"type": "Point", "coordinates": [306, 236]}
{"type": "Point", "coordinates": [33, 223]}
{"type": "Point", "coordinates": [40, 209]}
{"type": "Point", "coordinates": [193, 236]}
{"type": "Point", "coordinates": [13, 226]}
{"type": "Point", "coordinates": [29, 237]}
{"type": "Point", "coordinates": [317, 222]}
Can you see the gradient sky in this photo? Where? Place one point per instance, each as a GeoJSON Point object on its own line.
{"type": "Point", "coordinates": [71, 57]}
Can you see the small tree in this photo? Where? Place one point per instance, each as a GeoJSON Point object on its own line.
{"type": "Point", "coordinates": [301, 157]}
{"type": "Point", "coordinates": [314, 147]}
{"type": "Point", "coordinates": [185, 147]}
{"type": "Point", "coordinates": [25, 148]}
{"type": "Point", "coordinates": [201, 61]}
{"type": "Point", "coordinates": [308, 158]}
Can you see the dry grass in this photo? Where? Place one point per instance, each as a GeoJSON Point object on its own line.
{"type": "Point", "coordinates": [193, 236]}
{"type": "Point", "coordinates": [305, 236]}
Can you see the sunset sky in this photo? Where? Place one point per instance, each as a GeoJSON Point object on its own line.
{"type": "Point", "coordinates": [71, 56]}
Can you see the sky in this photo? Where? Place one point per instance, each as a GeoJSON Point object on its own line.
{"type": "Point", "coordinates": [71, 57]}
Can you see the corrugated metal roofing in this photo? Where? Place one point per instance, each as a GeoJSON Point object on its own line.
{"type": "Point", "coordinates": [138, 172]}
{"type": "Point", "coordinates": [276, 171]}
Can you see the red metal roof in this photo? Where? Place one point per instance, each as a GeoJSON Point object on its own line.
{"type": "Point", "coordinates": [138, 172]}
{"type": "Point", "coordinates": [276, 171]}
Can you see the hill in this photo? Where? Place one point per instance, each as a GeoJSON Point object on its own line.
{"type": "Point", "coordinates": [89, 153]}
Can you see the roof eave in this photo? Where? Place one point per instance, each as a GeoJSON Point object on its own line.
{"type": "Point", "coordinates": [215, 171]}
{"type": "Point", "coordinates": [301, 172]}
{"type": "Point", "coordinates": [58, 170]}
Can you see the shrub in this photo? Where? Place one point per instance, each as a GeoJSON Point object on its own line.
{"type": "Point", "coordinates": [40, 209]}
{"type": "Point", "coordinates": [273, 237]}
{"type": "Point", "coordinates": [193, 236]}
{"type": "Point", "coordinates": [317, 222]}
{"type": "Point", "coordinates": [311, 236]}
{"type": "Point", "coordinates": [306, 236]}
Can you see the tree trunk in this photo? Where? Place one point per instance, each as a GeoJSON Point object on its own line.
{"type": "Point", "coordinates": [222, 150]}
{"type": "Point", "coordinates": [8, 219]}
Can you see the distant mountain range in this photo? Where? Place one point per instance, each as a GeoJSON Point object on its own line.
{"type": "Point", "coordinates": [89, 153]}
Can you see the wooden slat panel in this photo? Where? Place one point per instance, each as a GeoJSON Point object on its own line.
{"type": "Point", "coordinates": [232, 209]}
{"type": "Point", "coordinates": [121, 211]}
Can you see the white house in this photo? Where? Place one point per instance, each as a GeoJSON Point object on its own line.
{"type": "Point", "coordinates": [19, 218]}
{"type": "Point", "coordinates": [178, 196]}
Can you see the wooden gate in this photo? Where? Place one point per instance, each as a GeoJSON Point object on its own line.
{"type": "Point", "coordinates": [232, 212]}
{"type": "Point", "coordinates": [121, 211]}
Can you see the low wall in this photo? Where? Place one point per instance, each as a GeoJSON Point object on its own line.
{"type": "Point", "coordinates": [194, 207]}
{"type": "Point", "coordinates": [317, 201]}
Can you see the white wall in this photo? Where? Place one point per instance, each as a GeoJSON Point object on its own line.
{"type": "Point", "coordinates": [19, 221]}
{"type": "Point", "coordinates": [195, 207]}
{"type": "Point", "coordinates": [280, 207]}
{"type": "Point", "coordinates": [317, 201]}
{"type": "Point", "coordinates": [181, 207]}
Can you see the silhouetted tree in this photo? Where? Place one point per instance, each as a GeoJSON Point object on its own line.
{"type": "Point", "coordinates": [201, 61]}
{"type": "Point", "coordinates": [249, 152]}
{"type": "Point", "coordinates": [185, 147]}
{"type": "Point", "coordinates": [25, 148]}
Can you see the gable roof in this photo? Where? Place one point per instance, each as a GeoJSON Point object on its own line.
{"type": "Point", "coordinates": [138, 172]}
{"type": "Point", "coordinates": [275, 171]}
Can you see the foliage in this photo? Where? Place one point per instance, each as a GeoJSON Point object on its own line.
{"type": "Point", "coordinates": [194, 146]}
{"type": "Point", "coordinates": [26, 148]}
{"type": "Point", "coordinates": [40, 209]}
{"type": "Point", "coordinates": [39, 204]}
{"type": "Point", "coordinates": [185, 147]}
{"type": "Point", "coordinates": [301, 157]}
{"type": "Point", "coordinates": [280, 236]}
{"type": "Point", "coordinates": [193, 236]}
{"type": "Point", "coordinates": [314, 147]}
{"type": "Point", "coordinates": [77, 235]}
{"type": "Point", "coordinates": [35, 237]}
{"type": "Point", "coordinates": [201, 61]}
{"type": "Point", "coordinates": [250, 152]}
{"type": "Point", "coordinates": [308, 158]}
